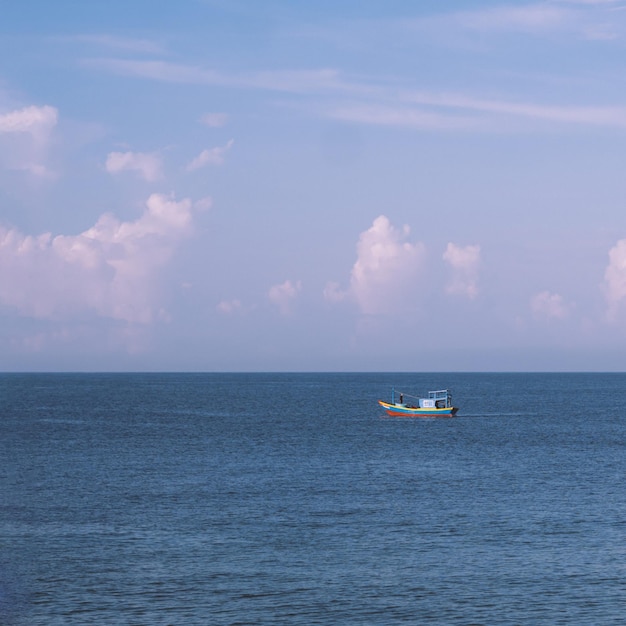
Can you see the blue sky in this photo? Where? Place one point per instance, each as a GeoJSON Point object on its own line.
{"type": "Point", "coordinates": [225, 186]}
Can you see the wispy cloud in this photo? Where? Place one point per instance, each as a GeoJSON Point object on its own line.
{"type": "Point", "coordinates": [391, 102]}
{"type": "Point", "coordinates": [291, 81]}
{"type": "Point", "coordinates": [459, 112]}
{"type": "Point", "coordinates": [584, 19]}
{"type": "Point", "coordinates": [403, 116]}
{"type": "Point", "coordinates": [592, 115]}
{"type": "Point", "coordinates": [380, 104]}
{"type": "Point", "coordinates": [115, 42]}
{"type": "Point", "coordinates": [529, 18]}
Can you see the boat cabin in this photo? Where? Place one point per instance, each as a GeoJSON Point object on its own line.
{"type": "Point", "coordinates": [441, 399]}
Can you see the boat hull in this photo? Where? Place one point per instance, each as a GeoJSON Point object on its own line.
{"type": "Point", "coordinates": [401, 410]}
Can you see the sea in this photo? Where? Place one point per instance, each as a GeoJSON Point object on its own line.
{"type": "Point", "coordinates": [276, 498]}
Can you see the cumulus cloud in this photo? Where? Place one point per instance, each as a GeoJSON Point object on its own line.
{"type": "Point", "coordinates": [110, 269]}
{"type": "Point", "coordinates": [464, 263]}
{"type": "Point", "coordinates": [214, 120]}
{"type": "Point", "coordinates": [33, 120]}
{"type": "Point", "coordinates": [549, 305]}
{"type": "Point", "coordinates": [24, 138]}
{"type": "Point", "coordinates": [228, 307]}
{"type": "Point", "coordinates": [214, 156]}
{"type": "Point", "coordinates": [615, 277]}
{"type": "Point", "coordinates": [384, 275]}
{"type": "Point", "coordinates": [146, 164]}
{"type": "Point", "coordinates": [283, 295]}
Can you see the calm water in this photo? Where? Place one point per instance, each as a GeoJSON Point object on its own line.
{"type": "Point", "coordinates": [291, 499]}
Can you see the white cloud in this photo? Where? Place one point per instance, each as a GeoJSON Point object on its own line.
{"type": "Point", "coordinates": [549, 305]}
{"type": "Point", "coordinates": [615, 278]}
{"type": "Point", "coordinates": [33, 120]}
{"type": "Point", "coordinates": [334, 293]}
{"type": "Point", "coordinates": [25, 137]}
{"type": "Point", "coordinates": [288, 81]}
{"type": "Point", "coordinates": [384, 276]}
{"type": "Point", "coordinates": [214, 156]}
{"type": "Point", "coordinates": [147, 164]}
{"type": "Point", "coordinates": [459, 112]}
{"type": "Point", "coordinates": [229, 306]}
{"type": "Point", "coordinates": [111, 269]}
{"type": "Point", "coordinates": [402, 116]}
{"type": "Point", "coordinates": [283, 295]}
{"type": "Point", "coordinates": [586, 19]}
{"type": "Point", "coordinates": [203, 204]}
{"type": "Point", "coordinates": [115, 42]}
{"type": "Point", "coordinates": [590, 2]}
{"type": "Point", "coordinates": [591, 115]}
{"type": "Point", "coordinates": [389, 105]}
{"type": "Point", "coordinates": [214, 120]}
{"type": "Point", "coordinates": [530, 18]}
{"type": "Point", "coordinates": [464, 262]}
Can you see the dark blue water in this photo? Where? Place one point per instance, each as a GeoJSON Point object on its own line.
{"type": "Point", "coordinates": [291, 499]}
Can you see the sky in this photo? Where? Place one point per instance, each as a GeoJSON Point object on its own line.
{"type": "Point", "coordinates": [202, 185]}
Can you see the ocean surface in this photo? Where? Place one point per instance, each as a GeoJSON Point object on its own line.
{"type": "Point", "coordinates": [292, 499]}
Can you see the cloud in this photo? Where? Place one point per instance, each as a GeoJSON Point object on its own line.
{"type": "Point", "coordinates": [549, 305]}
{"type": "Point", "coordinates": [459, 112]}
{"type": "Point", "coordinates": [586, 19]}
{"type": "Point", "coordinates": [287, 81]}
{"type": "Point", "coordinates": [214, 120]}
{"type": "Point", "coordinates": [385, 104]}
{"type": "Point", "coordinates": [591, 2]}
{"type": "Point", "coordinates": [25, 137]}
{"type": "Point", "coordinates": [530, 18]}
{"type": "Point", "coordinates": [402, 116]}
{"type": "Point", "coordinates": [203, 204]}
{"type": "Point", "coordinates": [283, 295]}
{"type": "Point", "coordinates": [147, 164]}
{"type": "Point", "coordinates": [591, 115]}
{"type": "Point", "coordinates": [34, 120]}
{"type": "Point", "coordinates": [333, 292]}
{"type": "Point", "coordinates": [111, 269]}
{"type": "Point", "coordinates": [464, 262]}
{"type": "Point", "coordinates": [384, 276]}
{"type": "Point", "coordinates": [615, 278]}
{"type": "Point", "coordinates": [214, 156]}
{"type": "Point", "coordinates": [228, 307]}
{"type": "Point", "coordinates": [120, 43]}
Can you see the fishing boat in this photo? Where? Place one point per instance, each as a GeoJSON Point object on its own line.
{"type": "Point", "coordinates": [438, 404]}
